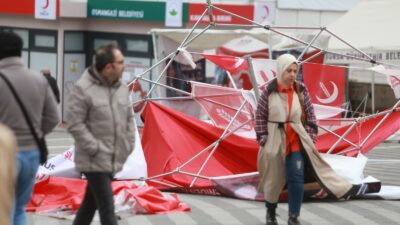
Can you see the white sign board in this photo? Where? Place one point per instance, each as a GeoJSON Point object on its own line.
{"type": "Point", "coordinates": [45, 9]}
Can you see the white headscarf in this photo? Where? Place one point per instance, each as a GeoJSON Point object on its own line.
{"type": "Point", "coordinates": [283, 62]}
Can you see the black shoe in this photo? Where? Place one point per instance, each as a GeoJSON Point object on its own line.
{"type": "Point", "coordinates": [271, 218]}
{"type": "Point", "coordinates": [293, 221]}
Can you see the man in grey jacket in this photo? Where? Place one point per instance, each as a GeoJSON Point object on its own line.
{"type": "Point", "coordinates": [41, 106]}
{"type": "Point", "coordinates": [100, 118]}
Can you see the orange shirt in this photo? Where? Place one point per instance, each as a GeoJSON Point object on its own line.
{"type": "Point", "coordinates": [292, 139]}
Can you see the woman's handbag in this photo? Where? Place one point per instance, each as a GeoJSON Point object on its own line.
{"type": "Point", "coordinates": [41, 142]}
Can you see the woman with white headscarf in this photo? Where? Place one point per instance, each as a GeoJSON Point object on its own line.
{"type": "Point", "coordinates": [286, 130]}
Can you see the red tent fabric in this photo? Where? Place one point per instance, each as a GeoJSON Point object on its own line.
{"type": "Point", "coordinates": [171, 138]}
{"type": "Point", "coordinates": [58, 193]}
{"type": "Point", "coordinates": [359, 133]}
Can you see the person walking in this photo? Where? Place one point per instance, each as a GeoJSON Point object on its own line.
{"type": "Point", "coordinates": [37, 97]}
{"type": "Point", "coordinates": [100, 119]}
{"type": "Point", "coordinates": [286, 130]}
{"type": "Point", "coordinates": [52, 82]}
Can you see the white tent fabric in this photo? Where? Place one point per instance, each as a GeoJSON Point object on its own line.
{"type": "Point", "coordinates": [168, 40]}
{"type": "Point", "coordinates": [246, 44]}
{"type": "Point", "coordinates": [332, 5]}
{"type": "Point", "coordinates": [370, 26]}
{"type": "Point", "coordinates": [62, 165]}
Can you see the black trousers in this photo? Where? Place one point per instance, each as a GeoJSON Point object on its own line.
{"type": "Point", "coordinates": [99, 196]}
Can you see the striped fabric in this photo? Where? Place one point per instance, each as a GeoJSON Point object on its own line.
{"type": "Point", "coordinates": [262, 114]}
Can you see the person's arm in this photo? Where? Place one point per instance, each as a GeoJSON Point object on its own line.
{"type": "Point", "coordinates": [131, 127]}
{"type": "Point", "coordinates": [76, 116]}
{"type": "Point", "coordinates": [50, 115]}
{"type": "Point", "coordinates": [311, 121]}
{"type": "Point", "coordinates": [261, 125]}
{"type": "Point", "coordinates": [56, 90]}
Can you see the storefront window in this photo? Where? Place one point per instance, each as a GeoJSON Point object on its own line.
{"type": "Point", "coordinates": [137, 45]}
{"type": "Point", "coordinates": [24, 34]}
{"type": "Point", "coordinates": [47, 41]}
{"type": "Point", "coordinates": [73, 41]}
{"type": "Point", "coordinates": [100, 42]}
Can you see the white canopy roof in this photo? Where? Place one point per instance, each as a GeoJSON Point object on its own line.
{"type": "Point", "coordinates": [245, 44]}
{"type": "Point", "coordinates": [371, 25]}
{"type": "Point", "coordinates": [332, 5]}
{"type": "Point", "coordinates": [169, 39]}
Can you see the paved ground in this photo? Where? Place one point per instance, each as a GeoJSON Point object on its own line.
{"type": "Point", "coordinates": [384, 164]}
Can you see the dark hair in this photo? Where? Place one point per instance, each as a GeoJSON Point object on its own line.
{"type": "Point", "coordinates": [104, 55]}
{"type": "Point", "coordinates": [10, 45]}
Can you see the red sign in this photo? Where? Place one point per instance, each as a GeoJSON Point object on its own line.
{"type": "Point", "coordinates": [24, 7]}
{"type": "Point", "coordinates": [246, 11]}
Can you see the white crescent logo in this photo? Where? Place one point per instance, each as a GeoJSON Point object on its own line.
{"type": "Point", "coordinates": [330, 97]}
{"type": "Point", "coordinates": [238, 63]}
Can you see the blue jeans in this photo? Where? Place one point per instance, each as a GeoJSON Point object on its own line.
{"type": "Point", "coordinates": [27, 166]}
{"type": "Point", "coordinates": [294, 166]}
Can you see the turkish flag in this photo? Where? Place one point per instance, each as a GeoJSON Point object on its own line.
{"type": "Point", "coordinates": [325, 83]}
{"type": "Point", "coordinates": [229, 63]}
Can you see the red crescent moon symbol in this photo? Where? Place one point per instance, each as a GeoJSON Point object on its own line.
{"type": "Point", "coordinates": [266, 10]}
{"type": "Point", "coordinates": [46, 5]}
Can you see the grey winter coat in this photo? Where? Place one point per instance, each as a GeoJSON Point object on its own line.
{"type": "Point", "coordinates": [37, 97]}
{"type": "Point", "coordinates": [100, 118]}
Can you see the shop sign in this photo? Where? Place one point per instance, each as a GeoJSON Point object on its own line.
{"type": "Point", "coordinates": [45, 9]}
{"type": "Point", "coordinates": [24, 7]}
{"type": "Point", "coordinates": [246, 11]}
{"type": "Point", "coordinates": [129, 10]}
{"type": "Point", "coordinates": [388, 56]}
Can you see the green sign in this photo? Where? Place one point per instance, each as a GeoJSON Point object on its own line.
{"type": "Point", "coordinates": [130, 10]}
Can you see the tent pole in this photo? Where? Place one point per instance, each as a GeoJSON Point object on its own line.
{"type": "Point", "coordinates": [164, 85]}
{"type": "Point", "coordinates": [373, 93]}
{"type": "Point", "coordinates": [380, 122]}
{"type": "Point", "coordinates": [177, 51]}
{"type": "Point", "coordinates": [194, 26]}
{"type": "Point", "coordinates": [151, 68]}
{"type": "Point", "coordinates": [231, 79]}
{"type": "Point", "coordinates": [309, 44]}
{"type": "Point", "coordinates": [311, 57]}
{"type": "Point", "coordinates": [218, 141]}
{"type": "Point", "coordinates": [161, 175]}
{"type": "Point", "coordinates": [342, 137]}
{"type": "Point", "coordinates": [351, 46]}
{"type": "Point", "coordinates": [338, 136]}
{"type": "Point", "coordinates": [252, 77]}
{"type": "Point", "coordinates": [196, 36]}
{"type": "Point", "coordinates": [163, 183]}
{"type": "Point", "coordinates": [195, 175]}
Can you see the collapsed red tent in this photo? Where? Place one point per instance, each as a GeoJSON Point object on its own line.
{"type": "Point", "coordinates": [359, 134]}
{"type": "Point", "coordinates": [56, 194]}
{"type": "Point", "coordinates": [171, 140]}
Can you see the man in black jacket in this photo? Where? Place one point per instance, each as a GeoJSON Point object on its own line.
{"type": "Point", "coordinates": [52, 82]}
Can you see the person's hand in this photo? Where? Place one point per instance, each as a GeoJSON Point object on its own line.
{"type": "Point", "coordinates": [263, 140]}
